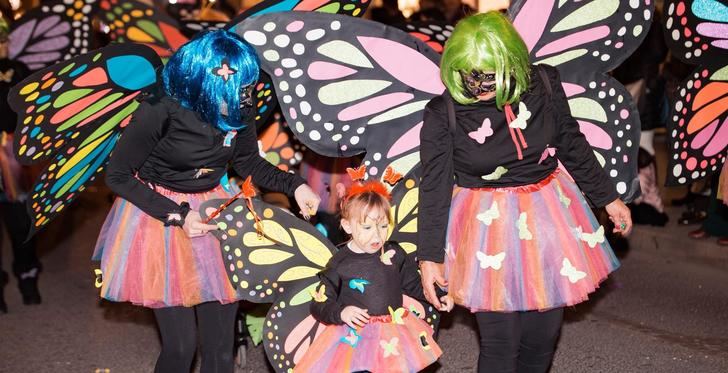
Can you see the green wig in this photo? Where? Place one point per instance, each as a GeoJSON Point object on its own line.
{"type": "Point", "coordinates": [486, 42]}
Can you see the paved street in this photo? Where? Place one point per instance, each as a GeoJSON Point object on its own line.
{"type": "Point", "coordinates": [665, 310]}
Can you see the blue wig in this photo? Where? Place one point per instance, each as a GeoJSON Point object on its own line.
{"type": "Point", "coordinates": [207, 75]}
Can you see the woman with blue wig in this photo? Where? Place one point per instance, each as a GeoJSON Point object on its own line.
{"type": "Point", "coordinates": [509, 234]}
{"type": "Point", "coordinates": [154, 247]}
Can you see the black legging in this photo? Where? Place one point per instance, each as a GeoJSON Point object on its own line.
{"type": "Point", "coordinates": [17, 223]}
{"type": "Point", "coordinates": [216, 325]}
{"type": "Point", "coordinates": [517, 341]}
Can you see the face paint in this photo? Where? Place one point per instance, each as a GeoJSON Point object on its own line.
{"type": "Point", "coordinates": [477, 83]}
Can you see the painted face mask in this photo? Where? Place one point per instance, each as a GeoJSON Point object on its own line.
{"type": "Point", "coordinates": [246, 97]}
{"type": "Point", "coordinates": [477, 83]}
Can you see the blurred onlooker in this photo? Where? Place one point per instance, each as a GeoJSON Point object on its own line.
{"type": "Point", "coordinates": [388, 13]}
{"type": "Point", "coordinates": [716, 220]}
{"type": "Point", "coordinates": [13, 186]}
{"type": "Point", "coordinates": [430, 11]}
{"type": "Point", "coordinates": [456, 10]}
{"type": "Point", "coordinates": [648, 208]}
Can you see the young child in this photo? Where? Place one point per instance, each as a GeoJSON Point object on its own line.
{"type": "Point", "coordinates": [360, 297]}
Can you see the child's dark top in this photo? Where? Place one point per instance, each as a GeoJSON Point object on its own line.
{"type": "Point", "coordinates": [367, 281]}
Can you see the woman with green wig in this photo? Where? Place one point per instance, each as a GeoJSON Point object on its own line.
{"type": "Point", "coordinates": [519, 242]}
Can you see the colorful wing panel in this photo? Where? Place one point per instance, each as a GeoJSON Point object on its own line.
{"type": "Point", "coordinates": [137, 22]}
{"type": "Point", "coordinates": [697, 33]}
{"type": "Point", "coordinates": [72, 113]}
{"type": "Point", "coordinates": [52, 32]}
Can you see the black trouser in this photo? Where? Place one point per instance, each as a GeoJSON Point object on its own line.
{"type": "Point", "coordinates": [216, 325]}
{"type": "Point", "coordinates": [518, 341]}
{"type": "Point", "coordinates": [17, 223]}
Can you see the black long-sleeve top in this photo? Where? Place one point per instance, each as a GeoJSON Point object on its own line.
{"type": "Point", "coordinates": [348, 273]}
{"type": "Point", "coordinates": [464, 161]}
{"type": "Point", "coordinates": [168, 145]}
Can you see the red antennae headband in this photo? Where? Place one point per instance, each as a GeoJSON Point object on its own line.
{"type": "Point", "coordinates": [357, 175]}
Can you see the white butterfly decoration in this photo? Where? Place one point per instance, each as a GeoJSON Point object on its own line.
{"type": "Point", "coordinates": [568, 270]}
{"type": "Point", "coordinates": [523, 232]}
{"type": "Point", "coordinates": [592, 239]}
{"type": "Point", "coordinates": [387, 256]}
{"type": "Point", "coordinates": [521, 121]}
{"type": "Point", "coordinates": [566, 201]}
{"type": "Point", "coordinates": [390, 347]}
{"type": "Point", "coordinates": [491, 261]}
{"type": "Point", "coordinates": [489, 215]}
{"type": "Point", "coordinates": [495, 175]}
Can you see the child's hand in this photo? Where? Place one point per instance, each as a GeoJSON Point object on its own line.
{"type": "Point", "coordinates": [354, 316]}
{"type": "Point", "coordinates": [447, 303]}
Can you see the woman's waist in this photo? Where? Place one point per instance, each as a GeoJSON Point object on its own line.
{"type": "Point", "coordinates": [519, 183]}
{"type": "Point", "coordinates": [166, 187]}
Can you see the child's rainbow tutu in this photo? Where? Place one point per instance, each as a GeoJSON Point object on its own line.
{"type": "Point", "coordinates": [533, 247]}
{"type": "Point", "coordinates": [380, 346]}
{"type": "Point", "coordinates": [148, 264]}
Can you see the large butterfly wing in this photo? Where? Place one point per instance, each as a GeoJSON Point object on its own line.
{"type": "Point", "coordinates": [698, 124]}
{"type": "Point", "coordinates": [278, 267]}
{"type": "Point", "coordinates": [72, 113]}
{"type": "Point", "coordinates": [342, 84]}
{"type": "Point", "coordinates": [584, 40]}
{"type": "Point", "coordinates": [136, 22]}
{"type": "Point", "coordinates": [52, 32]}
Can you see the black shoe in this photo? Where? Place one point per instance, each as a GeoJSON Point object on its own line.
{"type": "Point", "coordinates": [28, 284]}
{"type": "Point", "coordinates": [3, 282]}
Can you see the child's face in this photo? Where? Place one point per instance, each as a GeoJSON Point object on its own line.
{"type": "Point", "coordinates": [367, 235]}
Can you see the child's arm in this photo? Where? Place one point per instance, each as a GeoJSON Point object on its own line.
{"type": "Point", "coordinates": [412, 283]}
{"type": "Point", "coordinates": [325, 307]}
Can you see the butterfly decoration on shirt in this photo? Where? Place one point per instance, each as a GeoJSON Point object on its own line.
{"type": "Point", "coordinates": [54, 31]}
{"type": "Point", "coordinates": [71, 115]}
{"type": "Point", "coordinates": [697, 33]}
{"type": "Point", "coordinates": [278, 145]}
{"type": "Point", "coordinates": [281, 267]}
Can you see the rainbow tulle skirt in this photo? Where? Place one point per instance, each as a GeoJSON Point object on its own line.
{"type": "Point", "coordinates": [148, 264]}
{"type": "Point", "coordinates": [380, 346]}
{"type": "Point", "coordinates": [533, 247]}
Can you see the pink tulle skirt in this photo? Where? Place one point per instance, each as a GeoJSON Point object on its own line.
{"type": "Point", "coordinates": [380, 346]}
{"type": "Point", "coordinates": [534, 247]}
{"type": "Point", "coordinates": [151, 265]}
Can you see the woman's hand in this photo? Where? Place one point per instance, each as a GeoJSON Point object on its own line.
{"type": "Point", "coordinates": [620, 215]}
{"type": "Point", "coordinates": [447, 303]}
{"type": "Point", "coordinates": [194, 227]}
{"type": "Point", "coordinates": [307, 200]}
{"type": "Point", "coordinates": [354, 316]}
{"type": "Point", "coordinates": [432, 273]}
